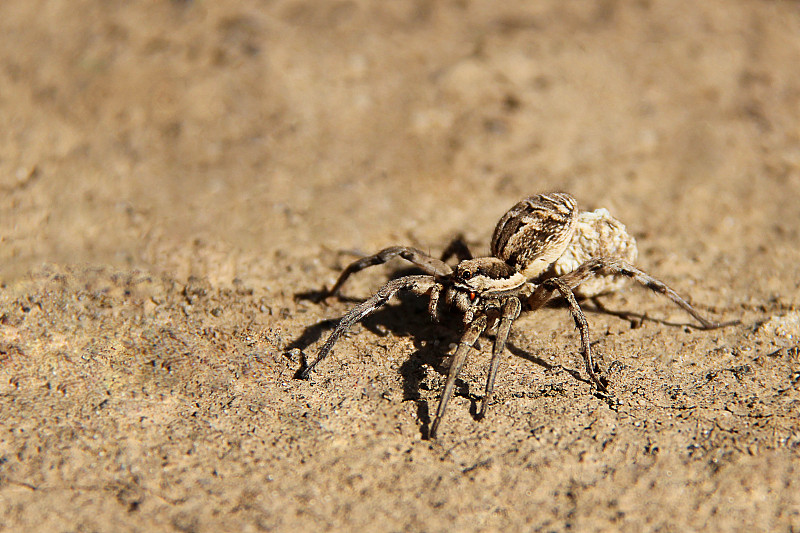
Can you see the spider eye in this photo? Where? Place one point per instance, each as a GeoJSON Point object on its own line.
{"type": "Point", "coordinates": [467, 274]}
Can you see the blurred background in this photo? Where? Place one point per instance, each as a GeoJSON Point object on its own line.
{"type": "Point", "coordinates": [133, 131]}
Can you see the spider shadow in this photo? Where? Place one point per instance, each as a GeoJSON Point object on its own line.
{"type": "Point", "coordinates": [431, 351]}
{"type": "Point", "coordinates": [523, 354]}
{"type": "Point", "coordinates": [408, 317]}
{"type": "Point", "coordinates": [310, 335]}
{"type": "Point", "coordinates": [636, 320]}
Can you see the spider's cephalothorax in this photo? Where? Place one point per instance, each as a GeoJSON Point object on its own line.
{"type": "Point", "coordinates": [480, 284]}
{"type": "Point", "coordinates": [541, 247]}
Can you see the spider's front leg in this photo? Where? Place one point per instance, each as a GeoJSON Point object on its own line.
{"type": "Point", "coordinates": [417, 284]}
{"type": "Point", "coordinates": [473, 331]}
{"type": "Point", "coordinates": [510, 312]}
{"type": "Point", "coordinates": [428, 264]}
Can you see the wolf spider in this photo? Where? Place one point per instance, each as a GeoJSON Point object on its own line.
{"type": "Point", "coordinates": [542, 247]}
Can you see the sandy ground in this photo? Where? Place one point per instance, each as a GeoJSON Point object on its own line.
{"type": "Point", "coordinates": [174, 174]}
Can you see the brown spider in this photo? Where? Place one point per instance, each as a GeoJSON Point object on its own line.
{"type": "Point", "coordinates": [542, 246]}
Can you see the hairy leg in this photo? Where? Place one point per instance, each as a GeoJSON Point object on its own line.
{"type": "Point", "coordinates": [433, 304]}
{"type": "Point", "coordinates": [510, 312]}
{"type": "Point", "coordinates": [473, 331]}
{"type": "Point", "coordinates": [583, 328]}
{"type": "Point", "coordinates": [614, 267]}
{"type": "Point", "coordinates": [416, 284]}
{"type": "Point", "coordinates": [430, 265]}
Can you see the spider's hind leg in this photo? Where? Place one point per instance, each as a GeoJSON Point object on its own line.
{"type": "Point", "coordinates": [428, 264]}
{"type": "Point", "coordinates": [615, 267]}
{"type": "Point", "coordinates": [606, 267]}
{"type": "Point", "coordinates": [583, 328]}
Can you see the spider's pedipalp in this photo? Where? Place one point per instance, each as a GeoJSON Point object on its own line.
{"type": "Point", "coordinates": [430, 265]}
{"type": "Point", "coordinates": [417, 284]}
{"type": "Point", "coordinates": [433, 303]}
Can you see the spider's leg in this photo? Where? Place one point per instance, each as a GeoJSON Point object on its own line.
{"type": "Point", "coordinates": [581, 324]}
{"type": "Point", "coordinates": [433, 304]}
{"type": "Point", "coordinates": [428, 264]}
{"type": "Point", "coordinates": [469, 338]}
{"type": "Point", "coordinates": [615, 267]}
{"type": "Point", "coordinates": [511, 310]}
{"type": "Point", "coordinates": [416, 284]}
{"type": "Point", "coordinates": [457, 248]}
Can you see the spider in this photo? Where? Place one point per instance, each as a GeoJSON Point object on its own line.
{"type": "Point", "coordinates": [541, 248]}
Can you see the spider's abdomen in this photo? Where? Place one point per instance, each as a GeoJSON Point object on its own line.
{"type": "Point", "coordinates": [597, 234]}
{"type": "Point", "coordinates": [535, 232]}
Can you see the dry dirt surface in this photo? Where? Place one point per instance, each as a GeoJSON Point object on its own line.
{"type": "Point", "coordinates": [176, 175]}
